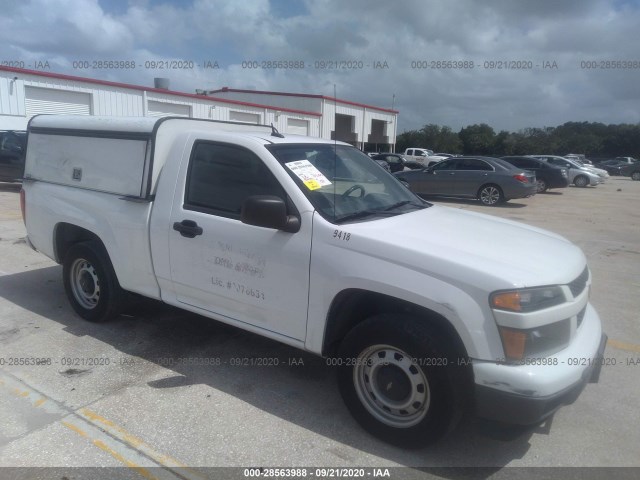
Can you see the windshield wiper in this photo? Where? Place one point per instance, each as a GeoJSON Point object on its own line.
{"type": "Point", "coordinates": [403, 203]}
{"type": "Point", "coordinates": [362, 214]}
{"type": "Point", "coordinates": [382, 211]}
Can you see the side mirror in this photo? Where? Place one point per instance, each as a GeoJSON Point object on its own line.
{"type": "Point", "coordinates": [268, 211]}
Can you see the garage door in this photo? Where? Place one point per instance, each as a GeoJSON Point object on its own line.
{"type": "Point", "coordinates": [163, 109]}
{"type": "Point", "coordinates": [46, 100]}
{"type": "Point", "coordinates": [244, 117]}
{"type": "Point", "coordinates": [298, 127]}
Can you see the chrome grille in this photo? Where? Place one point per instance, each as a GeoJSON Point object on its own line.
{"type": "Point", "coordinates": [578, 285]}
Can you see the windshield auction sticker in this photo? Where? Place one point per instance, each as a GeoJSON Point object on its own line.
{"type": "Point", "coordinates": [310, 175]}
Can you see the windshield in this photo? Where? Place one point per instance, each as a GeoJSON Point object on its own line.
{"type": "Point", "coordinates": [344, 184]}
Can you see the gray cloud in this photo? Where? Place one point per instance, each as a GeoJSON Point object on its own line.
{"type": "Point", "coordinates": [542, 32]}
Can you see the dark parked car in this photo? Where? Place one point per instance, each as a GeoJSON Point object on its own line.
{"type": "Point", "coordinates": [383, 164]}
{"type": "Point", "coordinates": [12, 149]}
{"type": "Point", "coordinates": [633, 171]}
{"type": "Point", "coordinates": [547, 175]}
{"type": "Point", "coordinates": [395, 161]}
{"type": "Point", "coordinates": [613, 167]}
{"type": "Point", "coordinates": [490, 180]}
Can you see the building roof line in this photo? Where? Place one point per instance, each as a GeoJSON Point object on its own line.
{"type": "Point", "coordinates": [74, 78]}
{"type": "Point", "coordinates": [303, 95]}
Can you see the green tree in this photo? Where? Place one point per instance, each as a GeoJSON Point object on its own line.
{"type": "Point", "coordinates": [477, 139]}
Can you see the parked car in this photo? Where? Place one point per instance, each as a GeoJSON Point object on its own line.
{"type": "Point", "coordinates": [613, 167]}
{"type": "Point", "coordinates": [490, 180]}
{"type": "Point", "coordinates": [547, 175]}
{"type": "Point", "coordinates": [12, 150]}
{"type": "Point", "coordinates": [578, 175]}
{"type": "Point", "coordinates": [633, 171]}
{"type": "Point", "coordinates": [424, 156]}
{"type": "Point", "coordinates": [383, 164]}
{"type": "Point", "coordinates": [394, 161]}
{"type": "Point", "coordinates": [626, 159]}
{"type": "Point", "coordinates": [602, 173]}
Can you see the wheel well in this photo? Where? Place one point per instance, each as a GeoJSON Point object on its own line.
{"type": "Point", "coordinates": [352, 306]}
{"type": "Point", "coordinates": [67, 235]}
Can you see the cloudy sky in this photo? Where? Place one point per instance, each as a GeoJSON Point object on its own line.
{"type": "Point", "coordinates": [555, 43]}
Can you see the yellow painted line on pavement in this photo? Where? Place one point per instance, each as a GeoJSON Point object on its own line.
{"type": "Point", "coordinates": [141, 470]}
{"type": "Point", "coordinates": [104, 434]}
{"type": "Point", "coordinates": [73, 427]}
{"type": "Point", "coordinates": [127, 437]}
{"type": "Point", "coordinates": [629, 347]}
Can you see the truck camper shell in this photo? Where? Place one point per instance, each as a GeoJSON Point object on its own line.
{"type": "Point", "coordinates": [93, 152]}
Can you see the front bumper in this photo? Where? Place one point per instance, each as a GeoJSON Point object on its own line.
{"type": "Point", "coordinates": [517, 409]}
{"type": "Point", "coordinates": [527, 394]}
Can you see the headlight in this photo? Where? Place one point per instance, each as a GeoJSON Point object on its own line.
{"type": "Point", "coordinates": [527, 299]}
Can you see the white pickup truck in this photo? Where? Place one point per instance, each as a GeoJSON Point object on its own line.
{"type": "Point", "coordinates": [426, 311]}
{"type": "Point", "coordinates": [423, 156]}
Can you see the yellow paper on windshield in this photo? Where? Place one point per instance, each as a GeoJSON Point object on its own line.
{"type": "Point", "coordinates": [310, 175]}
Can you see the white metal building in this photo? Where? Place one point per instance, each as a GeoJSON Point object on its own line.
{"type": "Point", "coordinates": [365, 126]}
{"type": "Point", "coordinates": [25, 93]}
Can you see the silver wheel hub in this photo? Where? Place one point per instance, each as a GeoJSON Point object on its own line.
{"type": "Point", "coordinates": [391, 386]}
{"type": "Point", "coordinates": [85, 284]}
{"type": "Point", "coordinates": [489, 195]}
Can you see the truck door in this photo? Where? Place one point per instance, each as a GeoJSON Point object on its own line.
{"type": "Point", "coordinates": [250, 274]}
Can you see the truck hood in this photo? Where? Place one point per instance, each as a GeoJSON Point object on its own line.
{"type": "Point", "coordinates": [478, 249]}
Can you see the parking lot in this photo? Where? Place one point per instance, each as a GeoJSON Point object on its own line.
{"type": "Point", "coordinates": [160, 387]}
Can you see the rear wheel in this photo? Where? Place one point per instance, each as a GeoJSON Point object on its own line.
{"type": "Point", "coordinates": [581, 181]}
{"type": "Point", "coordinates": [541, 185]}
{"type": "Point", "coordinates": [490, 195]}
{"type": "Point", "coordinates": [90, 282]}
{"type": "Point", "coordinates": [400, 381]}
{"type": "Point", "coordinates": [635, 176]}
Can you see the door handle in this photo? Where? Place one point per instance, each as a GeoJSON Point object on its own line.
{"type": "Point", "coordinates": [187, 228]}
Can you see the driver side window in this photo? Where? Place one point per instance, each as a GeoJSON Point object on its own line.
{"type": "Point", "coordinates": [221, 177]}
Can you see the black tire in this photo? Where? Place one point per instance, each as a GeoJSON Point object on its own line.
{"type": "Point", "coordinates": [541, 185]}
{"type": "Point", "coordinates": [91, 283]}
{"type": "Point", "coordinates": [490, 195]}
{"type": "Point", "coordinates": [394, 350]}
{"type": "Point", "coordinates": [581, 181]}
{"type": "Point", "coordinates": [635, 175]}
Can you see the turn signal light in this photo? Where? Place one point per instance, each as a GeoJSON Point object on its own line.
{"type": "Point", "coordinates": [513, 342]}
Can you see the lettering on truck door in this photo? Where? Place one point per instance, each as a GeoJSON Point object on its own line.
{"type": "Point", "coordinates": [255, 275]}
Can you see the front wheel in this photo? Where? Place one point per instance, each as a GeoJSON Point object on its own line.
{"type": "Point", "coordinates": [400, 381]}
{"type": "Point", "coordinates": [90, 282]}
{"type": "Point", "coordinates": [581, 181]}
